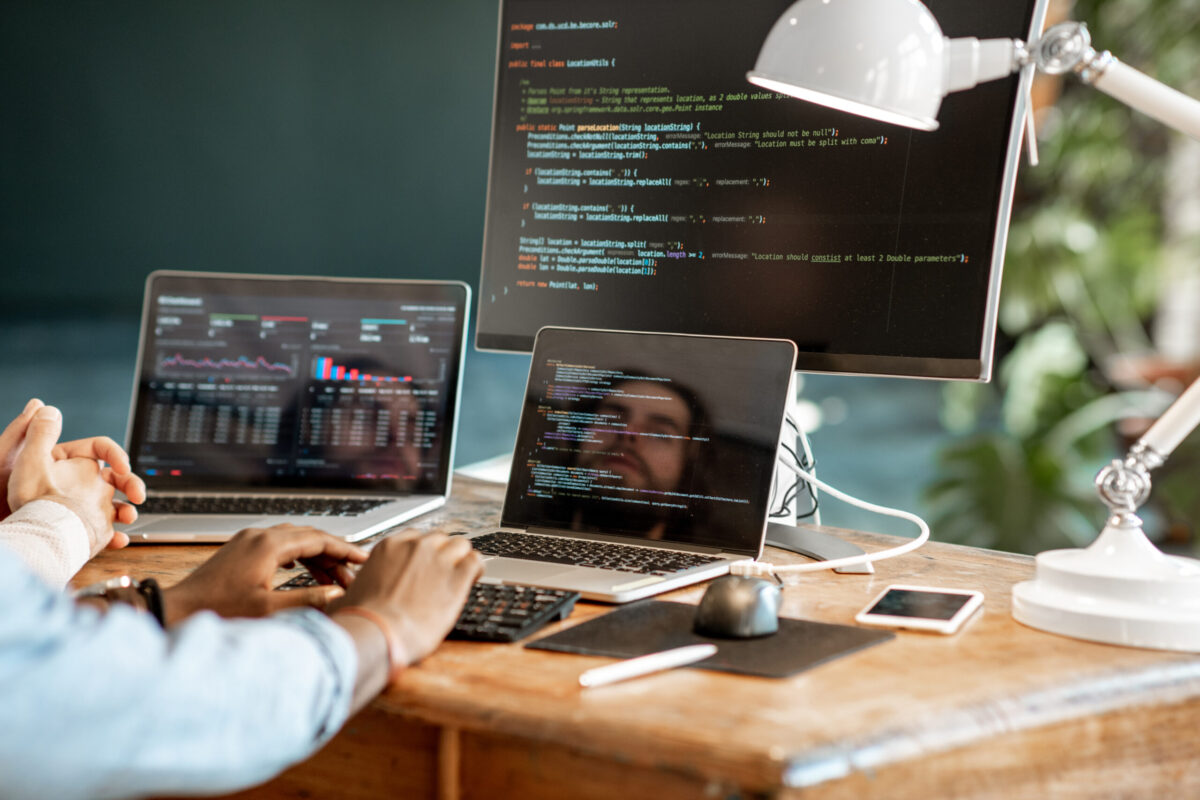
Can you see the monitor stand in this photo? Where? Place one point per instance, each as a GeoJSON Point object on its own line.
{"type": "Point", "coordinates": [815, 544]}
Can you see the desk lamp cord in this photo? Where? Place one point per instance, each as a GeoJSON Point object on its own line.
{"type": "Point", "coordinates": [761, 568]}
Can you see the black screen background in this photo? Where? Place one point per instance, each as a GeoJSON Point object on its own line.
{"type": "Point", "coordinates": [927, 605]}
{"type": "Point", "coordinates": [736, 462]}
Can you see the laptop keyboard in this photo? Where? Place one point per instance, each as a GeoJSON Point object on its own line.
{"type": "Point", "coordinates": [584, 553]}
{"type": "Point", "coordinates": [234, 504]}
{"type": "Point", "coordinates": [496, 612]}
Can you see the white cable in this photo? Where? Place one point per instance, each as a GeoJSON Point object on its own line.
{"type": "Point", "coordinates": [759, 568]}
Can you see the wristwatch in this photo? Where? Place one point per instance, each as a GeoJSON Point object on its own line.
{"type": "Point", "coordinates": [144, 594]}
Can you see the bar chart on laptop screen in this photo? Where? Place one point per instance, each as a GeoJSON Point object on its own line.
{"type": "Point", "coordinates": [298, 386]}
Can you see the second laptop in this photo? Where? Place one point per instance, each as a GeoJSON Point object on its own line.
{"type": "Point", "coordinates": [643, 461]}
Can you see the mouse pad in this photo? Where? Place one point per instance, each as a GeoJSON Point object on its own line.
{"type": "Point", "coordinates": [649, 626]}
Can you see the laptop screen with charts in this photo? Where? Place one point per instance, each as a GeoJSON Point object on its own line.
{"type": "Point", "coordinates": [643, 461]}
{"type": "Point", "coordinates": [329, 402]}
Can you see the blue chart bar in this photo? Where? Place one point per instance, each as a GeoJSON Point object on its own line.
{"type": "Point", "coordinates": [325, 370]}
{"type": "Point", "coordinates": [383, 322]}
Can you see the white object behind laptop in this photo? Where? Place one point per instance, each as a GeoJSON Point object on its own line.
{"type": "Point", "coordinates": [581, 471]}
{"type": "Point", "coordinates": [288, 389]}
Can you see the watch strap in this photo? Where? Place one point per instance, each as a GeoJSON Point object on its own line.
{"type": "Point", "coordinates": [151, 593]}
{"type": "Point", "coordinates": [145, 593]}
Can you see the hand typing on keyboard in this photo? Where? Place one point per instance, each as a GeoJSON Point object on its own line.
{"type": "Point", "coordinates": [236, 581]}
{"type": "Point", "coordinates": [397, 607]}
{"type": "Point", "coordinates": [416, 585]}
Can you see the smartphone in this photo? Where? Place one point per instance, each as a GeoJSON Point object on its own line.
{"type": "Point", "coordinates": [923, 608]}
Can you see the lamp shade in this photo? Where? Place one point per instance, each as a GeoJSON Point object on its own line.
{"type": "Point", "coordinates": [883, 59]}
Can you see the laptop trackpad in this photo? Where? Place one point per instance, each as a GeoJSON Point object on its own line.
{"type": "Point", "coordinates": [517, 571]}
{"type": "Point", "coordinates": [200, 525]}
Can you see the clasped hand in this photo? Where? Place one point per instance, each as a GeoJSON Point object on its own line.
{"type": "Point", "coordinates": [83, 475]}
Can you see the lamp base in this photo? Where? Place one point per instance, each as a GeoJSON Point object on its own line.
{"type": "Point", "coordinates": [1120, 590]}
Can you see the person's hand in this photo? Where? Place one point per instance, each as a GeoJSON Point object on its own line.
{"type": "Point", "coordinates": [78, 482]}
{"type": "Point", "coordinates": [10, 445]}
{"type": "Point", "coordinates": [418, 584]}
{"type": "Point", "coordinates": [101, 448]}
{"type": "Point", "coordinates": [237, 580]}
{"type": "Point", "coordinates": [119, 473]}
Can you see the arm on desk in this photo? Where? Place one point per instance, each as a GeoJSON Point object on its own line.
{"type": "Point", "coordinates": [112, 705]}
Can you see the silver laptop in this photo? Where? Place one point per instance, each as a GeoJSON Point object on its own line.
{"type": "Point", "coordinates": [330, 402]}
{"type": "Point", "coordinates": [643, 461]}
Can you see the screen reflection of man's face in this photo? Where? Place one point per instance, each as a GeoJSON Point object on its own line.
{"type": "Point", "coordinates": [643, 437]}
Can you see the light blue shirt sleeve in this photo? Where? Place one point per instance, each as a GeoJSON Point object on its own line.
{"type": "Point", "coordinates": [109, 705]}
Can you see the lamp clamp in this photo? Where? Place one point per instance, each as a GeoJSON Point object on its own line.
{"type": "Point", "coordinates": [1124, 484]}
{"type": "Point", "coordinates": [1067, 47]}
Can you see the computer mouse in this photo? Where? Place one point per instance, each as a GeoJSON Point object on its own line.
{"type": "Point", "coordinates": [736, 607]}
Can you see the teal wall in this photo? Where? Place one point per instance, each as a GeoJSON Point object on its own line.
{"type": "Point", "coordinates": [310, 136]}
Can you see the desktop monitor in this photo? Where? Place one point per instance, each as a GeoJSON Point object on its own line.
{"type": "Point", "coordinates": [638, 181]}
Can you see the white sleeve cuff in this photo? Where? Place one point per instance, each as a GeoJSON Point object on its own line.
{"type": "Point", "coordinates": [50, 538]}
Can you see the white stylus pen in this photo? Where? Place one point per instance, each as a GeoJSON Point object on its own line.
{"type": "Point", "coordinates": [644, 665]}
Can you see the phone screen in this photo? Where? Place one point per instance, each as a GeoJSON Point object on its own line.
{"type": "Point", "coordinates": [912, 603]}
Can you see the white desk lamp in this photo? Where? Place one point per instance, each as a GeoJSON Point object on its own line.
{"type": "Point", "coordinates": [888, 60]}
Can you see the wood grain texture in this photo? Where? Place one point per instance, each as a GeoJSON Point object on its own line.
{"type": "Point", "coordinates": [1147, 752]}
{"type": "Point", "coordinates": [969, 708]}
{"type": "Point", "coordinates": [372, 757]}
{"type": "Point", "coordinates": [539, 770]}
{"type": "Point", "coordinates": [449, 764]}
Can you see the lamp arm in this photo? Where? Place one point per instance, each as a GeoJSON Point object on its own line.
{"type": "Point", "coordinates": [1067, 47]}
{"type": "Point", "coordinates": [1125, 484]}
{"type": "Point", "coordinates": [1180, 419]}
{"type": "Point", "coordinates": [1140, 91]}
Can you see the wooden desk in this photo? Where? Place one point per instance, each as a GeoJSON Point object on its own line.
{"type": "Point", "coordinates": [999, 711]}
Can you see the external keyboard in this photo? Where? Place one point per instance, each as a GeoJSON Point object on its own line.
{"type": "Point", "coordinates": [505, 612]}
{"type": "Point", "coordinates": [585, 553]}
{"type": "Point", "coordinates": [271, 506]}
{"type": "Point", "coordinates": [496, 612]}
